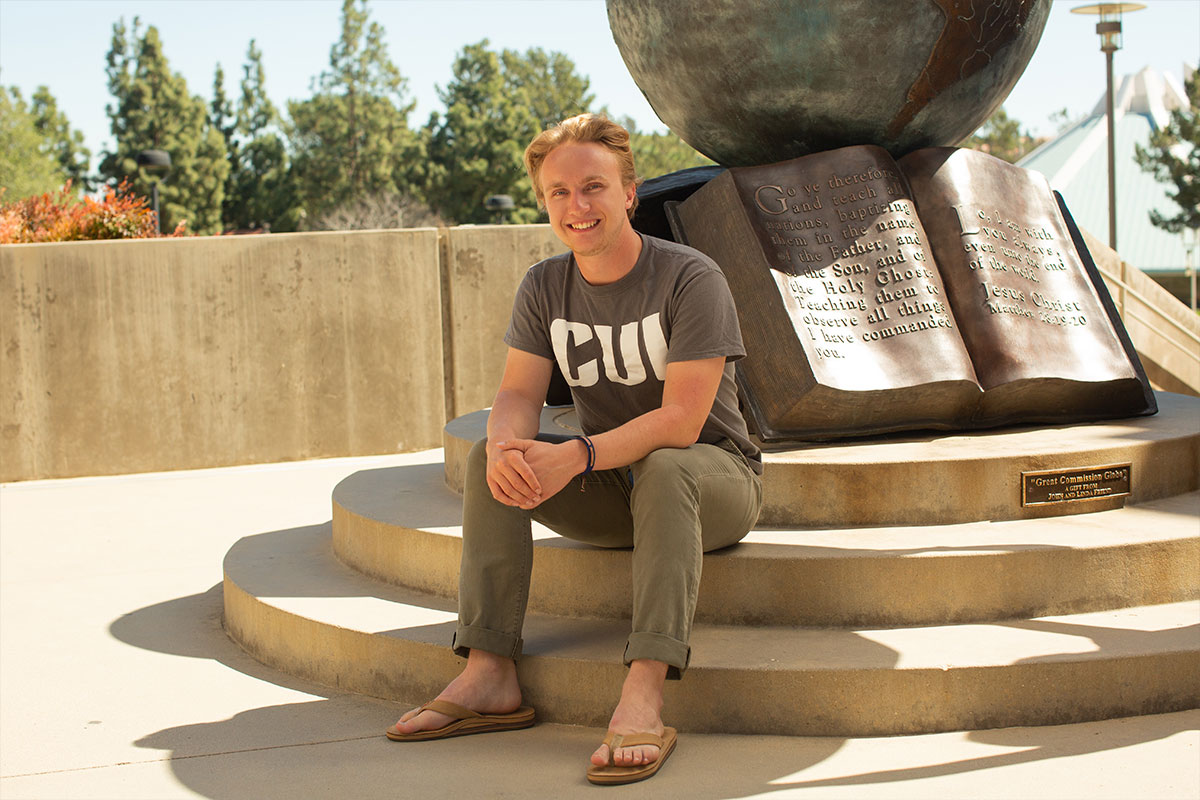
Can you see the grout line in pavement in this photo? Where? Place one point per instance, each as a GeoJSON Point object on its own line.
{"type": "Point", "coordinates": [184, 758]}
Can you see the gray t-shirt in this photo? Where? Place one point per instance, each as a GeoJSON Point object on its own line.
{"type": "Point", "coordinates": [613, 342]}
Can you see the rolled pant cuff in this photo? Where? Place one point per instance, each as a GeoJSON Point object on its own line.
{"type": "Point", "coordinates": [468, 638]}
{"type": "Point", "coordinates": [659, 647]}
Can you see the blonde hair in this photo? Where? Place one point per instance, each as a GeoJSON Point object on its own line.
{"type": "Point", "coordinates": [581, 129]}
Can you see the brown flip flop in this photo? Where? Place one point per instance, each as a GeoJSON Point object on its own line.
{"type": "Point", "coordinates": [465, 722]}
{"type": "Point", "coordinates": [611, 774]}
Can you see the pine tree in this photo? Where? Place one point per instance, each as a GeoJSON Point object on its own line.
{"type": "Point", "coordinates": [1174, 157]}
{"type": "Point", "coordinates": [351, 139]}
{"type": "Point", "coordinates": [152, 110]}
{"type": "Point", "coordinates": [220, 112]}
{"type": "Point", "coordinates": [656, 154]}
{"type": "Point", "coordinates": [475, 149]}
{"type": "Point", "coordinates": [27, 165]}
{"type": "Point", "coordinates": [222, 120]}
{"type": "Point", "coordinates": [1002, 137]}
{"type": "Point", "coordinates": [64, 143]}
{"type": "Point", "coordinates": [548, 84]}
{"type": "Point", "coordinates": [260, 191]}
{"type": "Point", "coordinates": [495, 105]}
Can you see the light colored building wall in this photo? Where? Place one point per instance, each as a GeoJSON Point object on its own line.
{"type": "Point", "coordinates": [120, 357]}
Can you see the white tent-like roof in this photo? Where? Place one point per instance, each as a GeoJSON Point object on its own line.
{"type": "Point", "coordinates": [1076, 162]}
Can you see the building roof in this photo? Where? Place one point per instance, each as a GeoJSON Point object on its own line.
{"type": "Point", "coordinates": [1076, 163]}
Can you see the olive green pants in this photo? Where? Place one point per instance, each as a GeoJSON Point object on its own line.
{"type": "Point", "coordinates": [671, 507]}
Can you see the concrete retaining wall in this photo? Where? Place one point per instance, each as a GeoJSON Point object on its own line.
{"type": "Point", "coordinates": [120, 357]}
{"type": "Point", "coordinates": [484, 267]}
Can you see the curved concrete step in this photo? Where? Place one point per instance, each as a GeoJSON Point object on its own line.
{"type": "Point", "coordinates": [401, 525]}
{"type": "Point", "coordinates": [941, 478]}
{"type": "Point", "coordinates": [292, 605]}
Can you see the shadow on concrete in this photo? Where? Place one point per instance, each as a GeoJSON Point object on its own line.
{"type": "Point", "coordinates": [330, 746]}
{"type": "Point", "coordinates": [192, 627]}
{"type": "Point", "coordinates": [412, 496]}
{"type": "Point", "coordinates": [545, 761]}
{"type": "Point", "coordinates": [1119, 642]}
{"type": "Point", "coordinates": [1035, 744]}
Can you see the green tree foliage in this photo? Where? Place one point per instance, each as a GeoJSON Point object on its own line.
{"type": "Point", "coordinates": [260, 191]}
{"type": "Point", "coordinates": [1002, 137]}
{"type": "Point", "coordinates": [27, 163]}
{"type": "Point", "coordinates": [475, 149]}
{"type": "Point", "coordinates": [548, 85]}
{"type": "Point", "coordinates": [1174, 157]}
{"type": "Point", "coordinates": [220, 113]}
{"type": "Point", "coordinates": [496, 104]}
{"type": "Point", "coordinates": [64, 143]}
{"type": "Point", "coordinates": [152, 110]}
{"type": "Point", "coordinates": [351, 138]}
{"type": "Point", "coordinates": [657, 154]}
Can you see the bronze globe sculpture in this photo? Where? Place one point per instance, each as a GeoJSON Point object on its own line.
{"type": "Point", "coordinates": [749, 82]}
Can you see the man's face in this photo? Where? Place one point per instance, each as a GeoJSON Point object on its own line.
{"type": "Point", "coordinates": [586, 201]}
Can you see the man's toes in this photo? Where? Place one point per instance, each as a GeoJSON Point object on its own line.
{"type": "Point", "coordinates": [408, 720]}
{"type": "Point", "coordinates": [625, 756]}
{"type": "Point", "coordinates": [418, 720]}
{"type": "Point", "coordinates": [635, 756]}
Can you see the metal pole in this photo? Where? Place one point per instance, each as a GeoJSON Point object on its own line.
{"type": "Point", "coordinates": [1112, 158]}
{"type": "Point", "coordinates": [157, 218]}
{"type": "Point", "coordinates": [1190, 249]}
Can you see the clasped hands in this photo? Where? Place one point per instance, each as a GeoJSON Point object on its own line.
{"type": "Point", "coordinates": [524, 472]}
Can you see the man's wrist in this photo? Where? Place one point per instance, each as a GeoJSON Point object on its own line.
{"type": "Point", "coordinates": [588, 450]}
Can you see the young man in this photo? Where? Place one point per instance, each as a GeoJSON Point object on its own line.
{"type": "Point", "coordinates": [645, 333]}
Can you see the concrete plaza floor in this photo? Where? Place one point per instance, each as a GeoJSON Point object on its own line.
{"type": "Point", "coordinates": [117, 681]}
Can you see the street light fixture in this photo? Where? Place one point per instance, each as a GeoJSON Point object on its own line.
{"type": "Point", "coordinates": [1109, 28]}
{"type": "Point", "coordinates": [499, 205]}
{"type": "Point", "coordinates": [157, 163]}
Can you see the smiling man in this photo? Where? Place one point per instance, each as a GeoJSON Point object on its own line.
{"type": "Point", "coordinates": [645, 333]}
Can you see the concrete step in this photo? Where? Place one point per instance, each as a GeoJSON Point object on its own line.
{"type": "Point", "coordinates": [294, 606]}
{"type": "Point", "coordinates": [941, 478]}
{"type": "Point", "coordinates": [401, 525]}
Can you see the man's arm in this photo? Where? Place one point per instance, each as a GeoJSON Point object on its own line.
{"type": "Point", "coordinates": [688, 393]}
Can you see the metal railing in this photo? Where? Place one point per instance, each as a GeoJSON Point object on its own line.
{"type": "Point", "coordinates": [1177, 335]}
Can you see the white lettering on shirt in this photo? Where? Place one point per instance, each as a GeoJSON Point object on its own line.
{"type": "Point", "coordinates": [560, 331]}
{"type": "Point", "coordinates": [569, 338]}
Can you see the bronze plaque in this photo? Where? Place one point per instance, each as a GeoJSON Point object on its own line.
{"type": "Point", "coordinates": [1070, 485]}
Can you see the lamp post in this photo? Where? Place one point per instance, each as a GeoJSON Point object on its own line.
{"type": "Point", "coordinates": [157, 163]}
{"type": "Point", "coordinates": [1109, 28]}
{"type": "Point", "coordinates": [499, 205]}
{"type": "Point", "coordinates": [1190, 237]}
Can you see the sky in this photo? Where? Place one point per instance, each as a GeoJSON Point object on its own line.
{"type": "Point", "coordinates": [62, 44]}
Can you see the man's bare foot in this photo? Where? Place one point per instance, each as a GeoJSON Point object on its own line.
{"type": "Point", "coordinates": [488, 685]}
{"type": "Point", "coordinates": [639, 711]}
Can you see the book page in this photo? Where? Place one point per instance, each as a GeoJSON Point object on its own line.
{"type": "Point", "coordinates": [849, 260]}
{"type": "Point", "coordinates": [1025, 305]}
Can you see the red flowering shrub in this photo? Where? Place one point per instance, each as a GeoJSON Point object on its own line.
{"type": "Point", "coordinates": [62, 217]}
